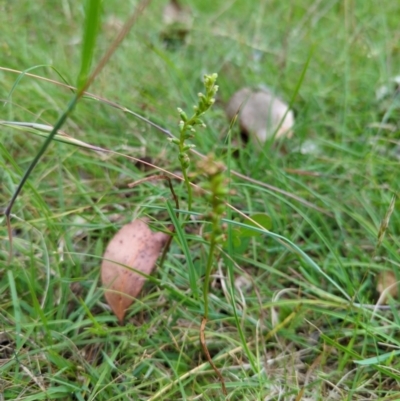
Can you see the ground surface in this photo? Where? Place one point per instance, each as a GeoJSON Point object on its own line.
{"type": "Point", "coordinates": [284, 325]}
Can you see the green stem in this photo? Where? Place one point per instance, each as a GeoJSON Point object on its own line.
{"type": "Point", "coordinates": [188, 187]}
{"type": "Point", "coordinates": [208, 275]}
{"type": "Point", "coordinates": [184, 166]}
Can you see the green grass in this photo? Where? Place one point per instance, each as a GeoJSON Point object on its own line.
{"type": "Point", "coordinates": [289, 314]}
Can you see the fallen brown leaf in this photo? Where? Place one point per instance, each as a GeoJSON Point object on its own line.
{"type": "Point", "coordinates": [387, 285]}
{"type": "Point", "coordinates": [136, 246]}
{"type": "Point", "coordinates": [260, 114]}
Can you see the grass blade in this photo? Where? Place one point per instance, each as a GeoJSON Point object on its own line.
{"type": "Point", "coordinates": [185, 247]}
{"type": "Point", "coordinates": [91, 29]}
{"type": "Point", "coordinates": [26, 72]}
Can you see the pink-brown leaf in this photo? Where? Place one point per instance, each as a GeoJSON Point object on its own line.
{"type": "Point", "coordinates": [137, 247]}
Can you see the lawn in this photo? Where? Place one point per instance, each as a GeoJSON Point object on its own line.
{"type": "Point", "coordinates": [296, 309]}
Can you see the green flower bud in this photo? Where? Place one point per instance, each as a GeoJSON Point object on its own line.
{"type": "Point", "coordinates": [182, 114]}
{"type": "Point", "coordinates": [189, 146]}
{"type": "Point", "coordinates": [184, 159]}
{"type": "Point", "coordinates": [174, 140]}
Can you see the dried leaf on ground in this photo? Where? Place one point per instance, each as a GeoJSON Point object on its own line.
{"type": "Point", "coordinates": [261, 114]}
{"type": "Point", "coordinates": [387, 285]}
{"type": "Point", "coordinates": [136, 246]}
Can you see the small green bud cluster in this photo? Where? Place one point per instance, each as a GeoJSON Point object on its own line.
{"type": "Point", "coordinates": [207, 100]}
{"type": "Point", "coordinates": [187, 126]}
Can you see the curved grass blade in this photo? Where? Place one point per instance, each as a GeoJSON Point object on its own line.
{"type": "Point", "coordinates": [26, 72]}
{"type": "Point", "coordinates": [377, 359]}
{"type": "Point", "coordinates": [185, 247]}
{"type": "Point", "coordinates": [43, 130]}
{"type": "Point", "coordinates": [292, 248]}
